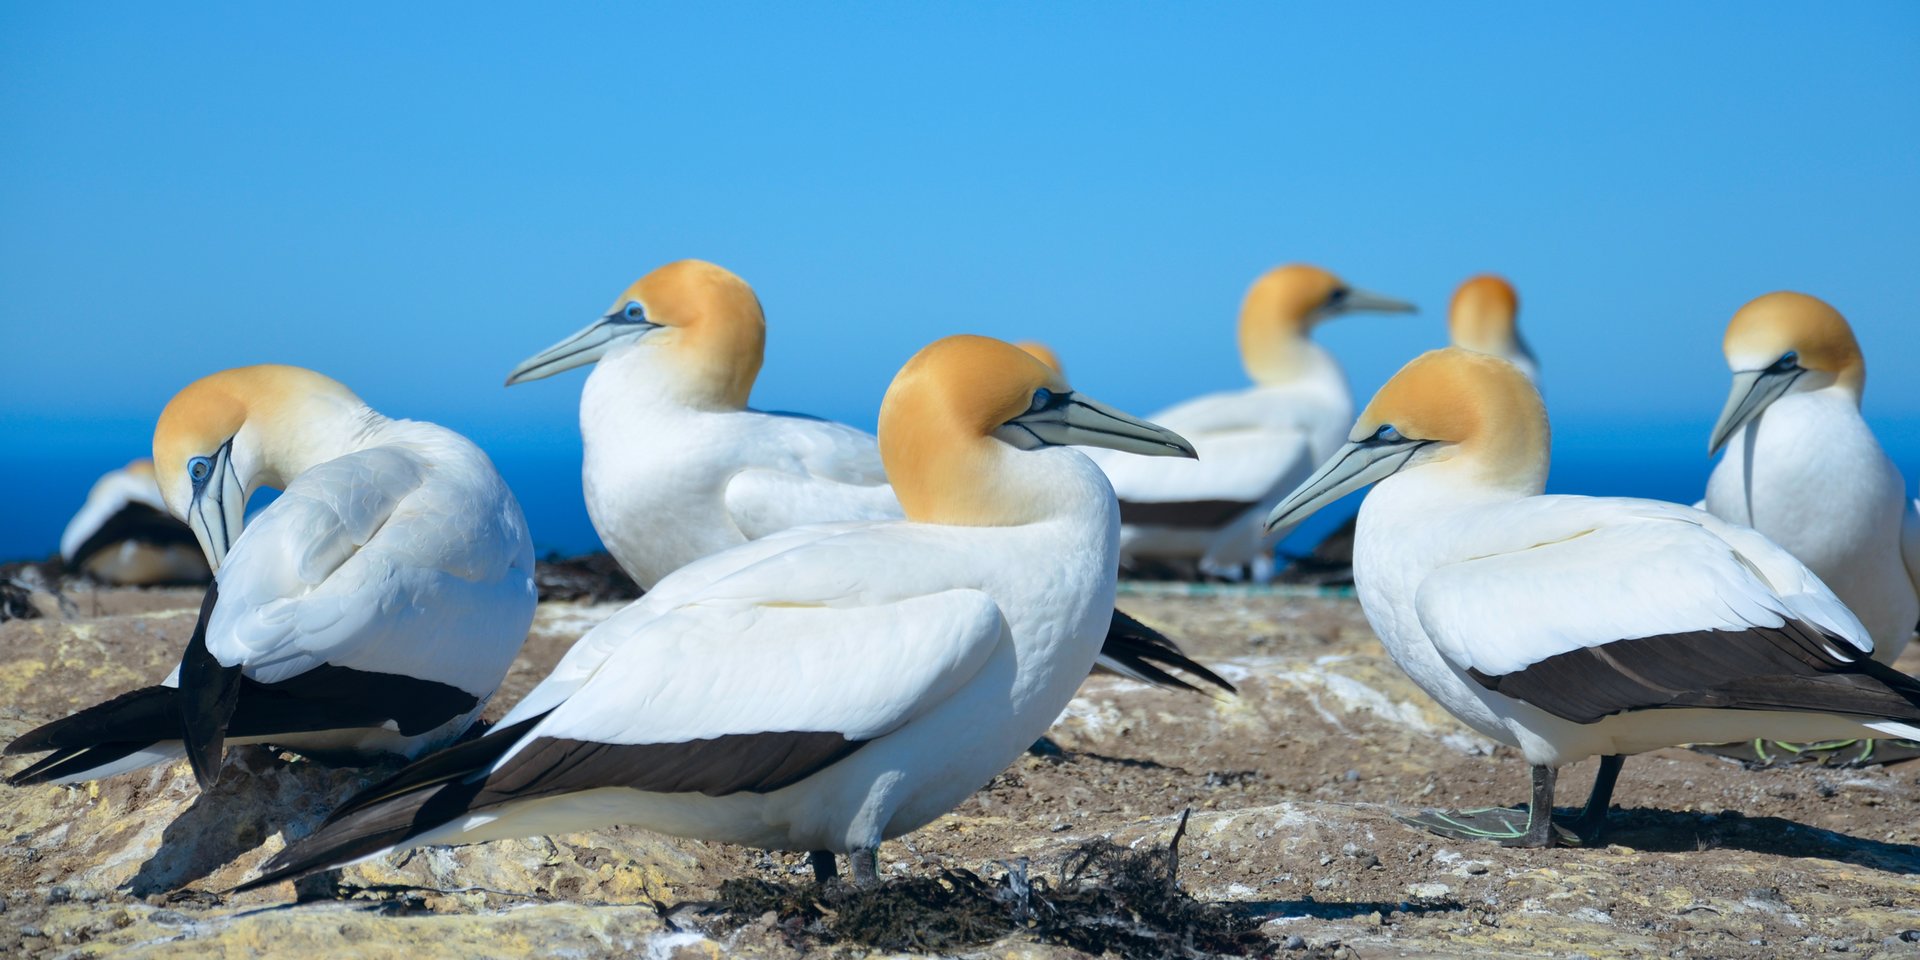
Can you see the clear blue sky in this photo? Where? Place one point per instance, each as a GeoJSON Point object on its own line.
{"type": "Point", "coordinates": [413, 197]}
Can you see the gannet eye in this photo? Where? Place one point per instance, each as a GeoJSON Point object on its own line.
{"type": "Point", "coordinates": [1041, 399]}
{"type": "Point", "coordinates": [1387, 434]}
{"type": "Point", "coordinates": [1337, 298]}
{"type": "Point", "coordinates": [199, 468]}
{"type": "Point", "coordinates": [1787, 361]}
{"type": "Point", "coordinates": [634, 311]}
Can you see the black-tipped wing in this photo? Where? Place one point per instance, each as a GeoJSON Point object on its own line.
{"type": "Point", "coordinates": [1133, 649]}
{"type": "Point", "coordinates": [1794, 667]}
{"type": "Point", "coordinates": [209, 690]}
{"type": "Point", "coordinates": [381, 817]}
{"type": "Point", "coordinates": [137, 522]}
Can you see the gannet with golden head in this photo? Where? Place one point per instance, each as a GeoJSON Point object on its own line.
{"type": "Point", "coordinates": [372, 609]}
{"type": "Point", "coordinates": [1484, 317]}
{"type": "Point", "coordinates": [1570, 627]}
{"type": "Point", "coordinates": [1255, 444]}
{"type": "Point", "coordinates": [678, 467]}
{"type": "Point", "coordinates": [827, 687]}
{"type": "Point", "coordinates": [1803, 467]}
{"type": "Point", "coordinates": [123, 534]}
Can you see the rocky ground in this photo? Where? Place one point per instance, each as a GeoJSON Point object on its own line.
{"type": "Point", "coordinates": [1293, 786]}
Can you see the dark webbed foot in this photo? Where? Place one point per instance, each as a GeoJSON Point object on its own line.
{"type": "Point", "coordinates": [824, 867]}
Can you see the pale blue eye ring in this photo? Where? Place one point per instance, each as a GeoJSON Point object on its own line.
{"type": "Point", "coordinates": [635, 311]}
{"type": "Point", "coordinates": [1041, 398]}
{"type": "Point", "coordinates": [199, 468]}
{"type": "Point", "coordinates": [1388, 434]}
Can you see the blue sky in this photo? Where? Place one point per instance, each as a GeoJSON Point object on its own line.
{"type": "Point", "coordinates": [413, 197]}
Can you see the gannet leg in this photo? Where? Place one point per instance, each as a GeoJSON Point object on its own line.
{"type": "Point", "coordinates": [865, 864]}
{"type": "Point", "coordinates": [1540, 833]}
{"type": "Point", "coordinates": [824, 867]}
{"type": "Point", "coordinates": [1591, 825]}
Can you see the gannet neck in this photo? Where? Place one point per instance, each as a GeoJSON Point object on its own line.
{"type": "Point", "coordinates": [1483, 423]}
{"type": "Point", "coordinates": [1775, 324]}
{"type": "Point", "coordinates": [1276, 316]}
{"type": "Point", "coordinates": [714, 335]}
{"type": "Point", "coordinates": [936, 437]}
{"type": "Point", "coordinates": [1482, 317]}
{"type": "Point", "coordinates": [280, 421]}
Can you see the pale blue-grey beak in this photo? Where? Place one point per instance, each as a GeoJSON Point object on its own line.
{"type": "Point", "coordinates": [584, 347]}
{"type": "Point", "coordinates": [1068, 418]}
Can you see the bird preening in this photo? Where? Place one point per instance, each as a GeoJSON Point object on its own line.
{"type": "Point", "coordinates": [843, 635]}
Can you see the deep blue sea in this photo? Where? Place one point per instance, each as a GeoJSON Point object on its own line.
{"type": "Point", "coordinates": [42, 486]}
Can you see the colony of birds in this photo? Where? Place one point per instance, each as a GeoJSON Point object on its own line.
{"type": "Point", "coordinates": [842, 636]}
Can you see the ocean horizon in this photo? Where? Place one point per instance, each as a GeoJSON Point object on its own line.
{"type": "Point", "coordinates": [1656, 460]}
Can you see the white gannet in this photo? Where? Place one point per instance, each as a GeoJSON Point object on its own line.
{"type": "Point", "coordinates": [1484, 317]}
{"type": "Point", "coordinates": [1255, 444]}
{"type": "Point", "coordinates": [123, 534]}
{"type": "Point", "coordinates": [678, 467]}
{"type": "Point", "coordinates": [1803, 468]}
{"type": "Point", "coordinates": [371, 609]}
{"type": "Point", "coordinates": [827, 687]}
{"type": "Point", "coordinates": [1571, 627]}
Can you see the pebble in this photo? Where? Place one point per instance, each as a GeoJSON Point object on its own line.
{"type": "Point", "coordinates": [1428, 891]}
{"type": "Point", "coordinates": [1295, 942]}
{"type": "Point", "coordinates": [1476, 868]}
{"type": "Point", "coordinates": [172, 918]}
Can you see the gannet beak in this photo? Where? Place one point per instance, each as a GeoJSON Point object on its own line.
{"type": "Point", "coordinates": [582, 348]}
{"type": "Point", "coordinates": [1352, 466]}
{"type": "Point", "coordinates": [1073, 419]}
{"type": "Point", "coordinates": [1753, 391]}
{"type": "Point", "coordinates": [1363, 301]}
{"type": "Point", "coordinates": [219, 507]}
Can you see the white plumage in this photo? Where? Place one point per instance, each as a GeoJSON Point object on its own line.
{"type": "Point", "coordinates": [826, 687]}
{"type": "Point", "coordinates": [1803, 467]}
{"type": "Point", "coordinates": [1570, 627]}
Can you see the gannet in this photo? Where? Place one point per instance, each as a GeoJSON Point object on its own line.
{"type": "Point", "coordinates": [123, 534]}
{"type": "Point", "coordinates": [827, 687]}
{"type": "Point", "coordinates": [1484, 317]}
{"type": "Point", "coordinates": [678, 467]}
{"type": "Point", "coordinates": [1569, 627]}
{"type": "Point", "coordinates": [1803, 468]}
{"type": "Point", "coordinates": [371, 609]}
{"type": "Point", "coordinates": [1255, 444]}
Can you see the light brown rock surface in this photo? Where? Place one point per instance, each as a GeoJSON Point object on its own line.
{"type": "Point", "coordinates": [1293, 786]}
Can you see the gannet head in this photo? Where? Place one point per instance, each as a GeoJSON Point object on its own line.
{"type": "Point", "coordinates": [232, 432]}
{"type": "Point", "coordinates": [1043, 353]}
{"type": "Point", "coordinates": [1283, 306]}
{"type": "Point", "coordinates": [966, 407]}
{"type": "Point", "coordinates": [1448, 406]}
{"type": "Point", "coordinates": [705, 315]}
{"type": "Point", "coordinates": [1483, 318]}
{"type": "Point", "coordinates": [1781, 343]}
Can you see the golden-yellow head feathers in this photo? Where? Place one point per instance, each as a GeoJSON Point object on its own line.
{"type": "Point", "coordinates": [1480, 405]}
{"type": "Point", "coordinates": [1776, 324]}
{"type": "Point", "coordinates": [713, 318]}
{"type": "Point", "coordinates": [937, 421]}
{"type": "Point", "coordinates": [1043, 353]}
{"type": "Point", "coordinates": [1483, 313]}
{"type": "Point", "coordinates": [1279, 309]}
{"type": "Point", "coordinates": [209, 411]}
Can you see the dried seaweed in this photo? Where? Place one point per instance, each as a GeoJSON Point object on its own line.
{"type": "Point", "coordinates": [1104, 899]}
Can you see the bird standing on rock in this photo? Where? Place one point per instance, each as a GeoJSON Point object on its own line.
{"type": "Point", "coordinates": [827, 687]}
{"type": "Point", "coordinates": [371, 610]}
{"type": "Point", "coordinates": [1570, 627]}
